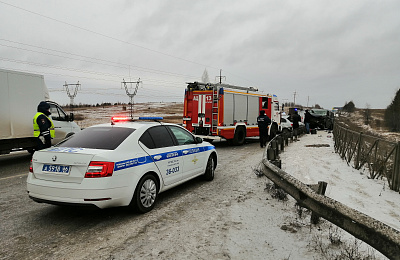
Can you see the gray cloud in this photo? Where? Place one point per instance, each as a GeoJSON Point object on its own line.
{"type": "Point", "coordinates": [329, 52]}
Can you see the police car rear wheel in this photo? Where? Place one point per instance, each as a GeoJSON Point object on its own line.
{"type": "Point", "coordinates": [145, 195]}
{"type": "Point", "coordinates": [210, 169]}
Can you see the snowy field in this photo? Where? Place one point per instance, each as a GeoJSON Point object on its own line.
{"type": "Point", "coordinates": [345, 184]}
{"type": "Point", "coordinates": [86, 117]}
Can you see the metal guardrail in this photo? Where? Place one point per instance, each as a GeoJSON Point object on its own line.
{"type": "Point", "coordinates": [380, 236]}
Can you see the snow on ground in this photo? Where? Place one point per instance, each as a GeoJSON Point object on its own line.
{"type": "Point", "coordinates": [235, 218]}
{"type": "Point", "coordinates": [345, 184]}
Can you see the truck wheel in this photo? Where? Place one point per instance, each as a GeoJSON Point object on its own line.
{"type": "Point", "coordinates": [145, 195]}
{"type": "Point", "coordinates": [240, 135]}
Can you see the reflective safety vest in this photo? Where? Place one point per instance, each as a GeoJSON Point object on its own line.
{"type": "Point", "coordinates": [36, 129]}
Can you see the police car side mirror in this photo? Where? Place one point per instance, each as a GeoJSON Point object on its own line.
{"type": "Point", "coordinates": [199, 140]}
{"type": "Point", "coordinates": [70, 117]}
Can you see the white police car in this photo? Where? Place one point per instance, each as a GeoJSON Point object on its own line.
{"type": "Point", "coordinates": [126, 163]}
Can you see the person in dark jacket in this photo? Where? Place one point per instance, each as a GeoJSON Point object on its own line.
{"type": "Point", "coordinates": [263, 121]}
{"type": "Point", "coordinates": [307, 120]}
{"type": "Point", "coordinates": [295, 120]}
{"type": "Point", "coordinates": [43, 127]}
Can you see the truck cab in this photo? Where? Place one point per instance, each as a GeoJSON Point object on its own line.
{"type": "Point", "coordinates": [64, 124]}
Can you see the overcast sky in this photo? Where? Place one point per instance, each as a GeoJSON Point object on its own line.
{"type": "Point", "coordinates": [327, 52]}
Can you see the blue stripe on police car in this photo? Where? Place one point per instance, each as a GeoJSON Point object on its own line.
{"type": "Point", "coordinates": [159, 157]}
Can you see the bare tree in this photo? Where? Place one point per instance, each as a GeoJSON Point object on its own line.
{"type": "Point", "coordinates": [392, 114]}
{"type": "Point", "coordinates": [205, 78]}
{"type": "Point", "coordinates": [349, 107]}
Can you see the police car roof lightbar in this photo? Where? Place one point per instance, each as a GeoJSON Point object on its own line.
{"type": "Point", "coordinates": [155, 118]}
{"type": "Point", "coordinates": [120, 118]}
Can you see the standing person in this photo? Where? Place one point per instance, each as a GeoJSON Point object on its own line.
{"type": "Point", "coordinates": [263, 122]}
{"type": "Point", "coordinates": [295, 120]}
{"type": "Point", "coordinates": [43, 127]}
{"type": "Point", "coordinates": [307, 120]}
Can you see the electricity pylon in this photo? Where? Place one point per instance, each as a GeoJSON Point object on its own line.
{"type": "Point", "coordinates": [73, 94]}
{"type": "Point", "coordinates": [131, 95]}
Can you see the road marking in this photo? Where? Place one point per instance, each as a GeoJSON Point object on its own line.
{"type": "Point", "coordinates": [10, 177]}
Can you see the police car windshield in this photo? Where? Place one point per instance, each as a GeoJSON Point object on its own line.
{"type": "Point", "coordinates": [107, 138]}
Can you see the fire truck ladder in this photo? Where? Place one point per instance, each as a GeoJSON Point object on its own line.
{"type": "Point", "coordinates": [214, 121]}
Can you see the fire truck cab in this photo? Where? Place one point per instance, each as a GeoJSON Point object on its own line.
{"type": "Point", "coordinates": [222, 111]}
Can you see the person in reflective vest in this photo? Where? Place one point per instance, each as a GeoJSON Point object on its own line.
{"type": "Point", "coordinates": [43, 127]}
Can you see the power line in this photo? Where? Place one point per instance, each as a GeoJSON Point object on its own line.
{"type": "Point", "coordinates": [106, 36]}
{"type": "Point", "coordinates": [86, 71]}
{"type": "Point", "coordinates": [121, 65]}
{"type": "Point", "coordinates": [116, 39]}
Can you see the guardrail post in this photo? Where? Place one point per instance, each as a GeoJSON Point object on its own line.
{"type": "Point", "coordinates": [271, 154]}
{"type": "Point", "coordinates": [321, 190]}
{"type": "Point", "coordinates": [277, 163]}
{"type": "Point", "coordinates": [274, 147]}
{"type": "Point", "coordinates": [357, 161]}
{"type": "Point", "coordinates": [281, 147]}
{"type": "Point", "coordinates": [396, 169]}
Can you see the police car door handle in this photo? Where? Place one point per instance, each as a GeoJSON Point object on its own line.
{"type": "Point", "coordinates": [157, 157]}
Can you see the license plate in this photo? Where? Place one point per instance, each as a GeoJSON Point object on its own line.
{"type": "Point", "coordinates": [64, 169]}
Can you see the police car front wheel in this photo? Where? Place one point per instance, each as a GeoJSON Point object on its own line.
{"type": "Point", "coordinates": [210, 169]}
{"type": "Point", "coordinates": [146, 194]}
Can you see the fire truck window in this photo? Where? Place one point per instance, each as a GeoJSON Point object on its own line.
{"type": "Point", "coordinates": [265, 103]}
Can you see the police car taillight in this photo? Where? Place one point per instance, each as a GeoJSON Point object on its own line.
{"type": "Point", "coordinates": [99, 169]}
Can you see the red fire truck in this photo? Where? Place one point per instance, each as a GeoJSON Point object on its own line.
{"type": "Point", "coordinates": [215, 111]}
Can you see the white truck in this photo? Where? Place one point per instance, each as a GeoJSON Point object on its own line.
{"type": "Point", "coordinates": [20, 95]}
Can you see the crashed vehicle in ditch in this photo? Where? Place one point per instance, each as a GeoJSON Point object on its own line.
{"type": "Point", "coordinates": [321, 118]}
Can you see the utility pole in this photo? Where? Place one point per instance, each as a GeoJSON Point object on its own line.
{"type": "Point", "coordinates": [73, 94]}
{"type": "Point", "coordinates": [131, 95]}
{"type": "Point", "coordinates": [294, 98]}
{"type": "Point", "coordinates": [220, 76]}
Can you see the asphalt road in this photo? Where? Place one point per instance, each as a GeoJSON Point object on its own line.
{"type": "Point", "coordinates": [31, 230]}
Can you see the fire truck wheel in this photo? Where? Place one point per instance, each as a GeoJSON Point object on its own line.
{"type": "Point", "coordinates": [240, 135]}
{"type": "Point", "coordinates": [210, 168]}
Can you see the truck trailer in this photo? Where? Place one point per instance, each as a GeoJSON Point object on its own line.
{"type": "Point", "coordinates": [222, 111]}
{"type": "Point", "coordinates": [21, 93]}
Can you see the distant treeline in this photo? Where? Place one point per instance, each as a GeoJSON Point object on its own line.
{"type": "Point", "coordinates": [391, 117]}
{"type": "Point", "coordinates": [104, 104]}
